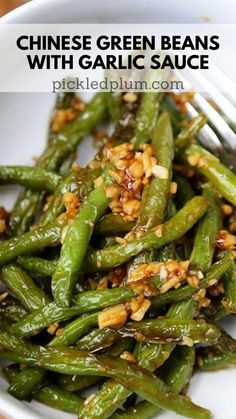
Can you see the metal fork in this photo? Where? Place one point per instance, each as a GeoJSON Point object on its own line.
{"type": "Point", "coordinates": [218, 137]}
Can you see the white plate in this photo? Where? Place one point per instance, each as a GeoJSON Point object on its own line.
{"type": "Point", "coordinates": [24, 120]}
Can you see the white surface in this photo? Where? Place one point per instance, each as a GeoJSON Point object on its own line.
{"type": "Point", "coordinates": [23, 126]}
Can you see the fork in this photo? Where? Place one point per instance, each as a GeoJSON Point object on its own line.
{"type": "Point", "coordinates": [217, 136]}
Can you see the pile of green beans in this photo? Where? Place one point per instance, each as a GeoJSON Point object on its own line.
{"type": "Point", "coordinates": [64, 271]}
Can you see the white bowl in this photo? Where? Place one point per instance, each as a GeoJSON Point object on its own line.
{"type": "Point", "coordinates": [24, 120]}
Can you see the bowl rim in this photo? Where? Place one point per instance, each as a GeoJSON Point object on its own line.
{"type": "Point", "coordinates": [20, 10]}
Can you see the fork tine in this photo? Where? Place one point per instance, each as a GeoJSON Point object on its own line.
{"type": "Point", "coordinates": [226, 133]}
{"type": "Point", "coordinates": [206, 134]}
{"type": "Point", "coordinates": [224, 83]}
{"type": "Point", "coordinates": [221, 101]}
{"type": "Point", "coordinates": [209, 140]}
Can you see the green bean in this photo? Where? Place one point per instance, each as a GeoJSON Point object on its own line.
{"type": "Point", "coordinates": [77, 382]}
{"type": "Point", "coordinates": [152, 212]}
{"type": "Point", "coordinates": [31, 177]}
{"type": "Point", "coordinates": [80, 184]}
{"type": "Point", "coordinates": [149, 356]}
{"type": "Point", "coordinates": [11, 309]}
{"type": "Point", "coordinates": [75, 244]}
{"type": "Point", "coordinates": [114, 103]}
{"type": "Point", "coordinates": [31, 241]}
{"type": "Point", "coordinates": [74, 330]}
{"type": "Point", "coordinates": [29, 201]}
{"type": "Point", "coordinates": [168, 251]}
{"type": "Point", "coordinates": [38, 265]}
{"type": "Point", "coordinates": [51, 395]}
{"type": "Point", "coordinates": [72, 134]}
{"type": "Point", "coordinates": [219, 175]}
{"type": "Point", "coordinates": [65, 167]}
{"type": "Point", "coordinates": [210, 360]}
{"type": "Point", "coordinates": [214, 272]}
{"type": "Point", "coordinates": [14, 344]}
{"type": "Point", "coordinates": [172, 230]}
{"type": "Point", "coordinates": [152, 356]}
{"type": "Point", "coordinates": [190, 131]}
{"type": "Point", "coordinates": [184, 189]}
{"type": "Point", "coordinates": [26, 381]}
{"type": "Point", "coordinates": [178, 119]}
{"type": "Point", "coordinates": [171, 330]}
{"type": "Point", "coordinates": [57, 398]}
{"type": "Point", "coordinates": [70, 361]}
{"type": "Point", "coordinates": [207, 230]}
{"type": "Point", "coordinates": [178, 369]}
{"type": "Point", "coordinates": [84, 302]}
{"type": "Point", "coordinates": [119, 347]}
{"type": "Point", "coordinates": [19, 282]}
{"type": "Point", "coordinates": [147, 114]}
{"type": "Point", "coordinates": [98, 339]}
{"type": "Point", "coordinates": [225, 343]}
{"type": "Point", "coordinates": [176, 372]}
{"type": "Point", "coordinates": [63, 145]}
{"type": "Point", "coordinates": [24, 210]}
{"type": "Point", "coordinates": [28, 378]}
{"type": "Point", "coordinates": [229, 281]}
{"type": "Point", "coordinates": [31, 298]}
{"type": "Point", "coordinates": [112, 224]}
{"type": "Point", "coordinates": [64, 99]}
{"type": "Point", "coordinates": [215, 311]}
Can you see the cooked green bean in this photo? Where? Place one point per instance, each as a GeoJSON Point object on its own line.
{"type": "Point", "coordinates": [80, 184]}
{"type": "Point", "coordinates": [72, 134]}
{"type": "Point", "coordinates": [153, 331]}
{"type": "Point", "coordinates": [74, 330]}
{"type": "Point", "coordinates": [98, 339]}
{"type": "Point", "coordinates": [114, 103]}
{"type": "Point", "coordinates": [218, 174]}
{"type": "Point", "coordinates": [208, 228]}
{"type": "Point", "coordinates": [19, 282]}
{"type": "Point", "coordinates": [83, 303]}
{"type": "Point", "coordinates": [75, 244]}
{"type": "Point", "coordinates": [210, 360]}
{"type": "Point", "coordinates": [65, 143]}
{"type": "Point", "coordinates": [214, 272]}
{"type": "Point", "coordinates": [152, 212]}
{"type": "Point", "coordinates": [190, 131]}
{"type": "Point", "coordinates": [31, 241]}
{"type": "Point", "coordinates": [24, 210]}
{"type": "Point", "coordinates": [184, 189]}
{"type": "Point", "coordinates": [51, 395]}
{"type": "Point", "coordinates": [11, 309]}
{"type": "Point", "coordinates": [28, 378]}
{"type": "Point", "coordinates": [147, 114]}
{"type": "Point", "coordinates": [111, 224]}
{"type": "Point", "coordinates": [38, 265]}
{"type": "Point", "coordinates": [172, 230]}
{"type": "Point", "coordinates": [71, 361]}
{"type": "Point", "coordinates": [171, 330]}
{"type": "Point", "coordinates": [176, 372]}
{"type": "Point", "coordinates": [77, 382]}
{"type": "Point", "coordinates": [149, 356]}
{"type": "Point", "coordinates": [31, 177]}
{"type": "Point", "coordinates": [229, 281]}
